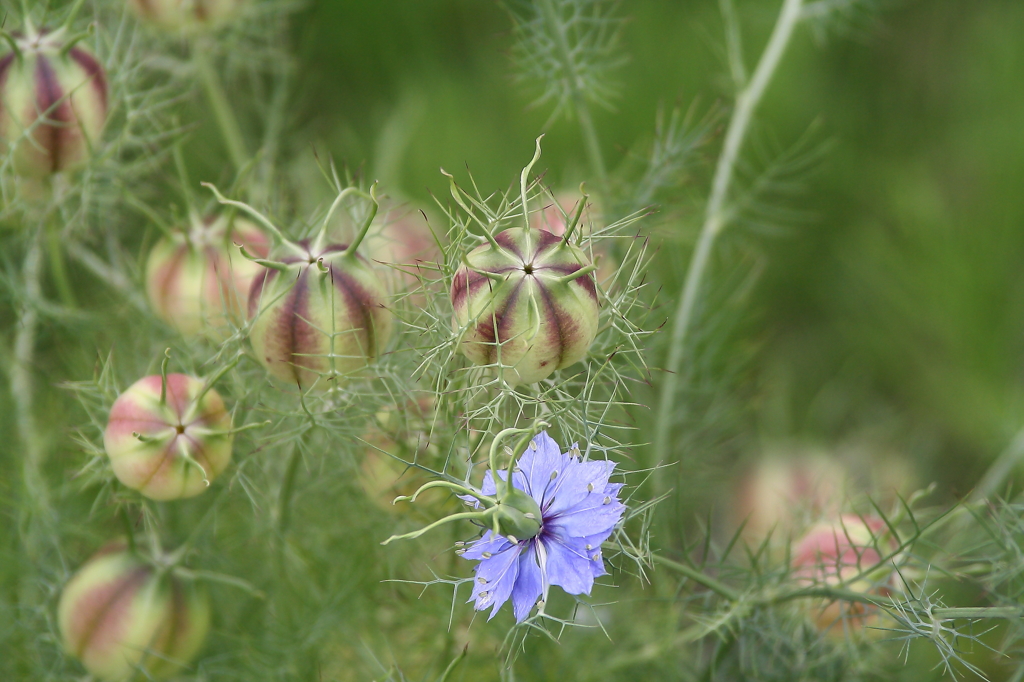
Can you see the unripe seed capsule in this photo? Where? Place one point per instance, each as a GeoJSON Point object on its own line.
{"type": "Point", "coordinates": [120, 615]}
{"type": "Point", "coordinates": [173, 448]}
{"type": "Point", "coordinates": [198, 281]}
{"type": "Point", "coordinates": [320, 317]}
{"type": "Point", "coordinates": [845, 551]}
{"type": "Point", "coordinates": [525, 305]}
{"type": "Point", "coordinates": [186, 14]}
{"type": "Point", "coordinates": [53, 103]}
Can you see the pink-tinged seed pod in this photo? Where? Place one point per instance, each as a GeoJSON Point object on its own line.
{"type": "Point", "coordinates": [193, 15]}
{"type": "Point", "coordinates": [171, 449]}
{"type": "Point", "coordinates": [198, 282]}
{"type": "Point", "coordinates": [847, 551]}
{"type": "Point", "coordinates": [53, 103]}
{"type": "Point", "coordinates": [321, 317]}
{"type": "Point", "coordinates": [781, 496]}
{"type": "Point", "coordinates": [527, 302]}
{"type": "Point", "coordinates": [120, 616]}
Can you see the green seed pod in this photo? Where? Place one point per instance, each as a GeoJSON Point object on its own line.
{"type": "Point", "coordinates": [195, 15]}
{"type": "Point", "coordinates": [528, 302]}
{"type": "Point", "coordinates": [197, 281]}
{"type": "Point", "coordinates": [318, 316]}
{"type": "Point", "coordinates": [53, 103]}
{"type": "Point", "coordinates": [168, 442]}
{"type": "Point", "coordinates": [120, 615]}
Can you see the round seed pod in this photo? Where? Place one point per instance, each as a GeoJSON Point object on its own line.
{"type": "Point", "coordinates": [120, 614]}
{"type": "Point", "coordinates": [198, 282]}
{"type": "Point", "coordinates": [319, 317]}
{"type": "Point", "coordinates": [525, 305]}
{"type": "Point", "coordinates": [171, 449]}
{"type": "Point", "coordinates": [845, 551]}
{"type": "Point", "coordinates": [53, 103]}
{"type": "Point", "coordinates": [196, 15]}
{"type": "Point", "coordinates": [553, 219]}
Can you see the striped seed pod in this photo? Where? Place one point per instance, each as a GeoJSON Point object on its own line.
{"type": "Point", "coordinates": [527, 302]}
{"type": "Point", "coordinates": [197, 281]}
{"type": "Point", "coordinates": [848, 551]}
{"type": "Point", "coordinates": [124, 618]}
{"type": "Point", "coordinates": [318, 316]}
{"type": "Point", "coordinates": [53, 103]}
{"type": "Point", "coordinates": [174, 15]}
{"type": "Point", "coordinates": [168, 439]}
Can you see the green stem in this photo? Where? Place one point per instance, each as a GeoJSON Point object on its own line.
{"type": "Point", "coordinates": [23, 386]}
{"type": "Point", "coordinates": [578, 96]}
{"type": "Point", "coordinates": [58, 266]}
{"type": "Point", "coordinates": [715, 219]}
{"type": "Point", "coordinates": [698, 577]}
{"type": "Point", "coordinates": [222, 111]}
{"type": "Point", "coordinates": [1000, 469]}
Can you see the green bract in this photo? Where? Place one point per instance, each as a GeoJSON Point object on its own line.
{"type": "Point", "coordinates": [527, 302]}
{"type": "Point", "coordinates": [120, 615]}
{"type": "Point", "coordinates": [53, 102]}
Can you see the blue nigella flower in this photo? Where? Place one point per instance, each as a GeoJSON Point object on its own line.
{"type": "Point", "coordinates": [578, 511]}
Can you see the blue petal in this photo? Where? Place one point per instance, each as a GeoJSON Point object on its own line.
{"type": "Point", "coordinates": [596, 513]}
{"type": "Point", "coordinates": [574, 483]}
{"type": "Point", "coordinates": [596, 558]}
{"type": "Point", "coordinates": [538, 465]}
{"type": "Point", "coordinates": [529, 585]}
{"type": "Point", "coordinates": [489, 543]}
{"type": "Point", "coordinates": [568, 564]}
{"type": "Point", "coordinates": [495, 578]}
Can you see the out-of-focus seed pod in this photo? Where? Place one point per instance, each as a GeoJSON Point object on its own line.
{"type": "Point", "coordinates": [781, 495]}
{"type": "Point", "coordinates": [120, 615]}
{"type": "Point", "coordinates": [397, 432]}
{"type": "Point", "coordinates": [197, 281]}
{"type": "Point", "coordinates": [847, 551]}
{"type": "Point", "coordinates": [406, 245]}
{"type": "Point", "coordinates": [318, 316]}
{"type": "Point", "coordinates": [53, 103]}
{"type": "Point", "coordinates": [168, 442]}
{"type": "Point", "coordinates": [528, 303]}
{"type": "Point", "coordinates": [194, 15]}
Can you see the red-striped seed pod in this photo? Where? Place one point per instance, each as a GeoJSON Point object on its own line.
{"type": "Point", "coordinates": [556, 218]}
{"type": "Point", "coordinates": [526, 302]}
{"type": "Point", "coordinates": [174, 15]}
{"type": "Point", "coordinates": [851, 551]}
{"type": "Point", "coordinates": [318, 316]}
{"type": "Point", "coordinates": [53, 103]}
{"type": "Point", "coordinates": [126, 618]}
{"type": "Point", "coordinates": [198, 282]}
{"type": "Point", "coordinates": [170, 438]}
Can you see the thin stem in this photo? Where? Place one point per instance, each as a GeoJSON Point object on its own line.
{"type": "Point", "coordinates": [578, 97]}
{"type": "Point", "coordinates": [698, 577]}
{"type": "Point", "coordinates": [716, 218]}
{"type": "Point", "coordinates": [1000, 469]}
{"type": "Point", "coordinates": [23, 385]}
{"type": "Point", "coordinates": [58, 267]}
{"type": "Point", "coordinates": [222, 111]}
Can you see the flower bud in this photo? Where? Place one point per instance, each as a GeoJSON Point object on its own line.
{"type": "Point", "coordinates": [198, 281]}
{"type": "Point", "coordinates": [848, 551]}
{"type": "Point", "coordinates": [120, 616]}
{"type": "Point", "coordinates": [321, 316]}
{"type": "Point", "coordinates": [168, 442]}
{"type": "Point", "coordinates": [53, 103]}
{"type": "Point", "coordinates": [173, 15]}
{"type": "Point", "coordinates": [528, 303]}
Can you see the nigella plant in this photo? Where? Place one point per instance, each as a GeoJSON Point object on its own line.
{"type": "Point", "coordinates": [546, 517]}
